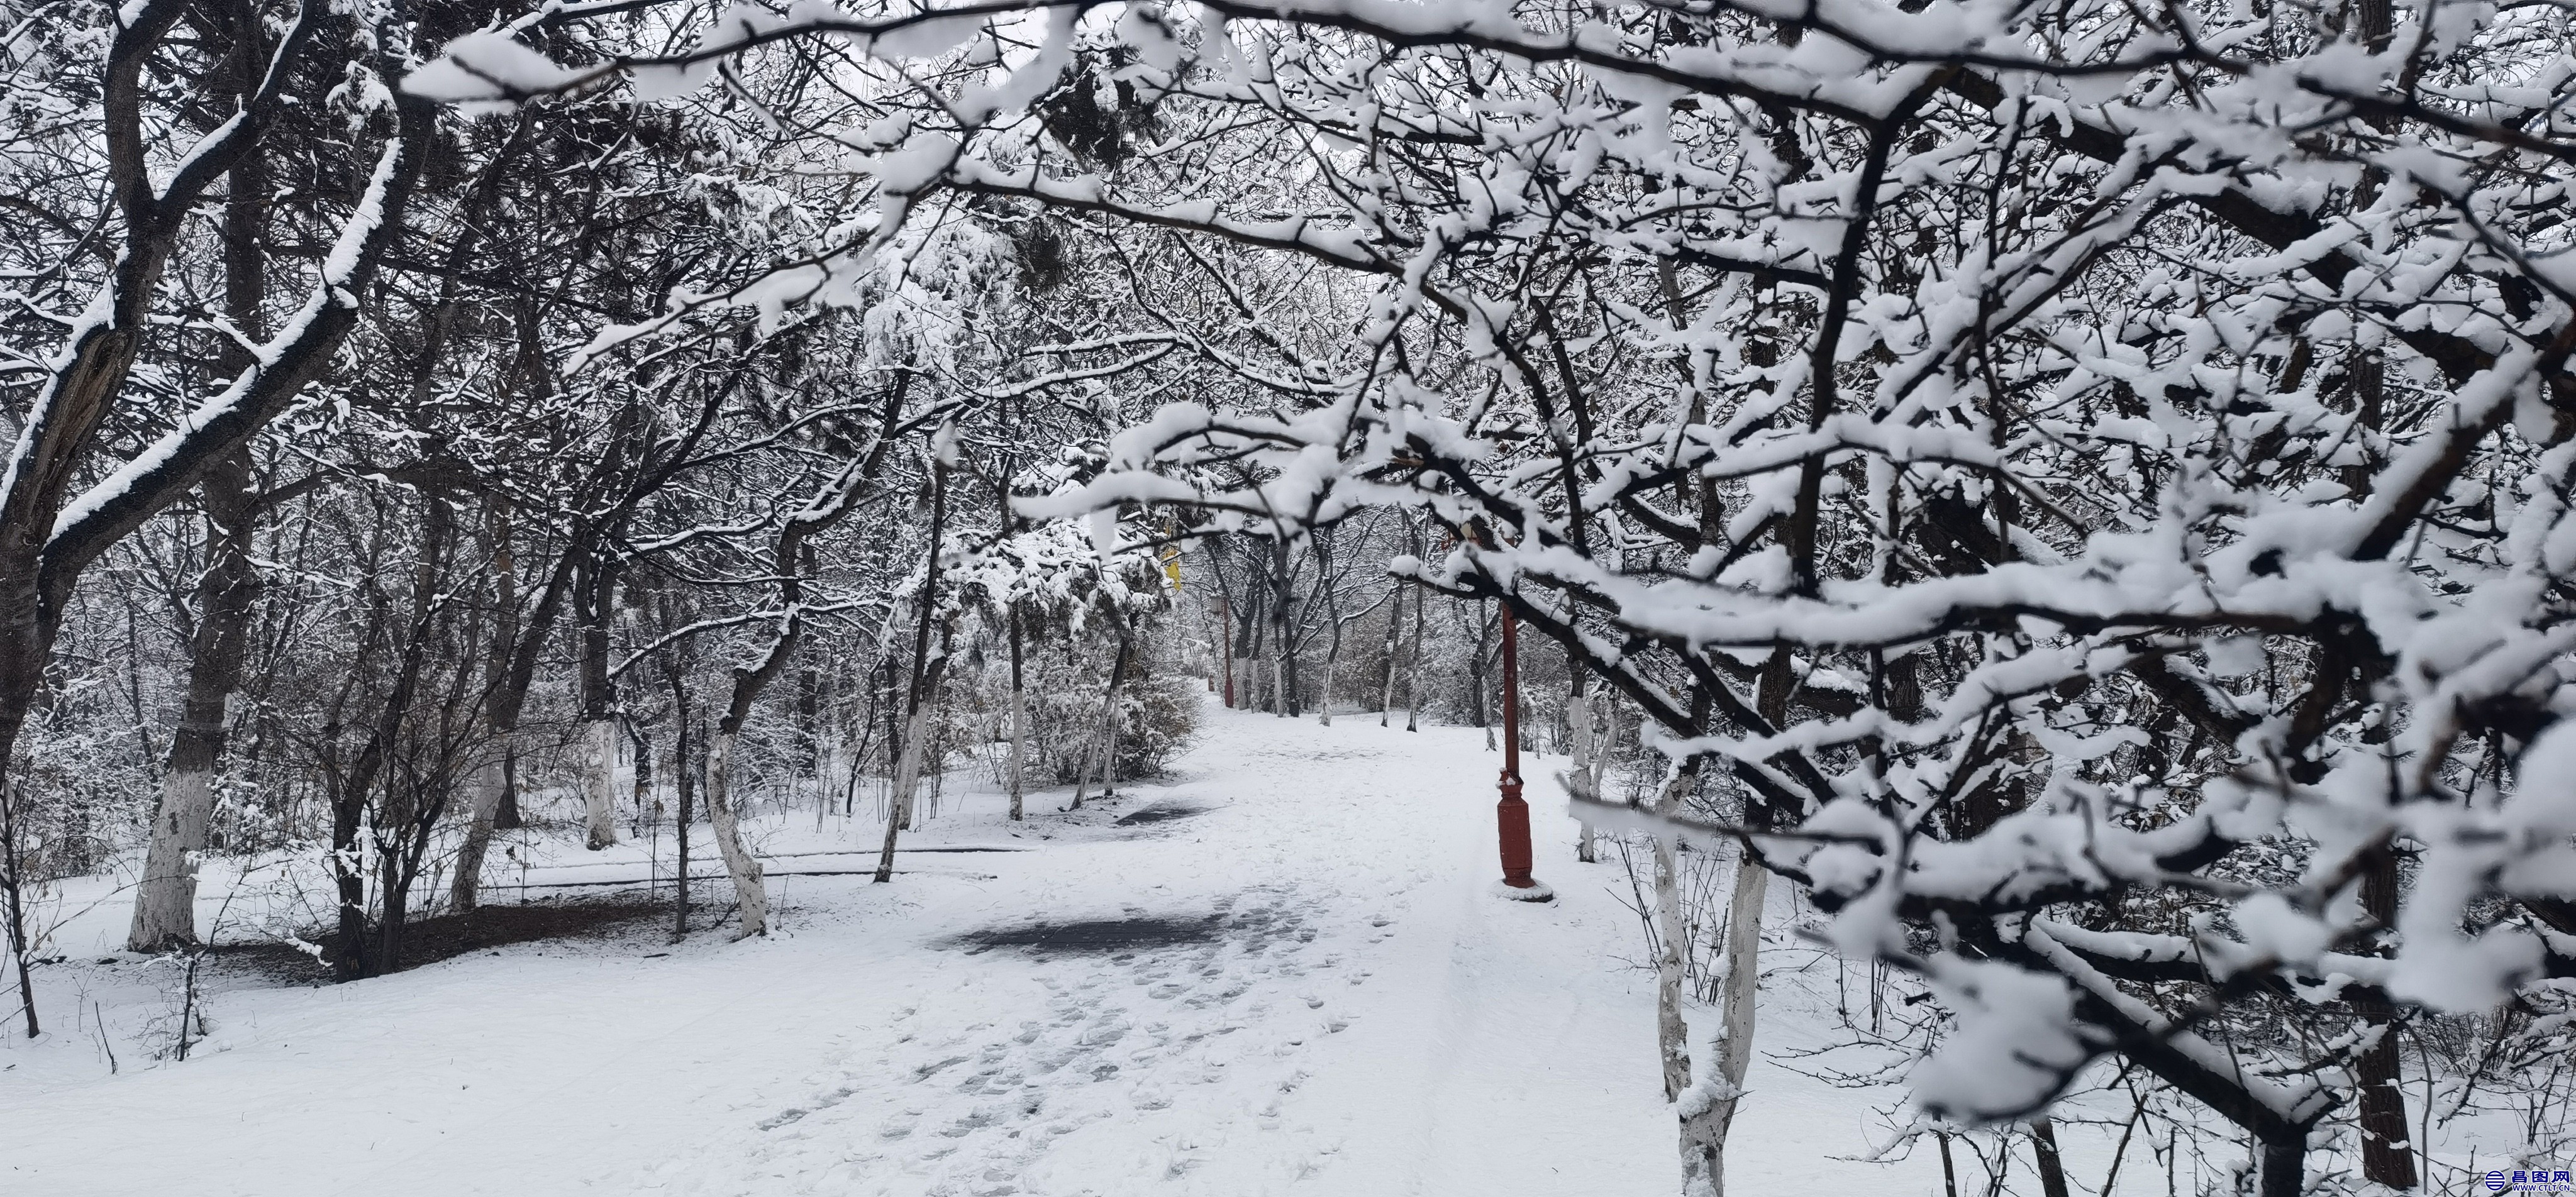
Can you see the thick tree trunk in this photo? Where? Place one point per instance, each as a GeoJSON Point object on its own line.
{"type": "Point", "coordinates": [2280, 1165]}
{"type": "Point", "coordinates": [599, 744]}
{"type": "Point", "coordinates": [594, 609]}
{"type": "Point", "coordinates": [508, 818]}
{"type": "Point", "coordinates": [2387, 1157]}
{"type": "Point", "coordinates": [165, 910]}
{"type": "Point", "coordinates": [165, 900]}
{"type": "Point", "coordinates": [484, 789]}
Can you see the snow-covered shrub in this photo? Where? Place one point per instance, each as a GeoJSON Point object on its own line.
{"type": "Point", "coordinates": [1158, 717]}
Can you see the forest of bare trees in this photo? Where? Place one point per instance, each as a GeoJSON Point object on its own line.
{"type": "Point", "coordinates": [2071, 500]}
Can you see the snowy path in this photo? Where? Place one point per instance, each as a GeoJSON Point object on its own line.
{"type": "Point", "coordinates": [1299, 986]}
{"type": "Point", "coordinates": [1345, 1012]}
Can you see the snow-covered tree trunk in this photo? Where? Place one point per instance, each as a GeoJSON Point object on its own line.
{"type": "Point", "coordinates": [751, 894]}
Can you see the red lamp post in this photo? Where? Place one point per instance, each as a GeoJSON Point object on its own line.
{"type": "Point", "coordinates": [1511, 815]}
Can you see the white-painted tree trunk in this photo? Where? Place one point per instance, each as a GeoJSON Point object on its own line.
{"type": "Point", "coordinates": [599, 781]}
{"type": "Point", "coordinates": [1709, 1109]}
{"type": "Point", "coordinates": [1584, 779]}
{"type": "Point", "coordinates": [907, 777]}
{"type": "Point", "coordinates": [1019, 722]}
{"type": "Point", "coordinates": [1413, 668]}
{"type": "Point", "coordinates": [1019, 748]}
{"type": "Point", "coordinates": [484, 789]}
{"type": "Point", "coordinates": [165, 900]}
{"type": "Point", "coordinates": [1332, 665]}
{"type": "Point", "coordinates": [751, 895]}
{"type": "Point", "coordinates": [1394, 654]}
{"type": "Point", "coordinates": [1672, 1034]}
{"type": "Point", "coordinates": [907, 782]}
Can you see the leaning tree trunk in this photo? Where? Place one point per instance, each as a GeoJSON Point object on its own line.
{"type": "Point", "coordinates": [484, 789]}
{"type": "Point", "coordinates": [165, 900]}
{"type": "Point", "coordinates": [907, 779]}
{"type": "Point", "coordinates": [925, 674]}
{"type": "Point", "coordinates": [2045, 1160]}
{"type": "Point", "coordinates": [751, 892]}
{"type": "Point", "coordinates": [1109, 715]}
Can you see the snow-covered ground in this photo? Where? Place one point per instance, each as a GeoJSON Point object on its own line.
{"type": "Point", "coordinates": [1348, 1012]}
